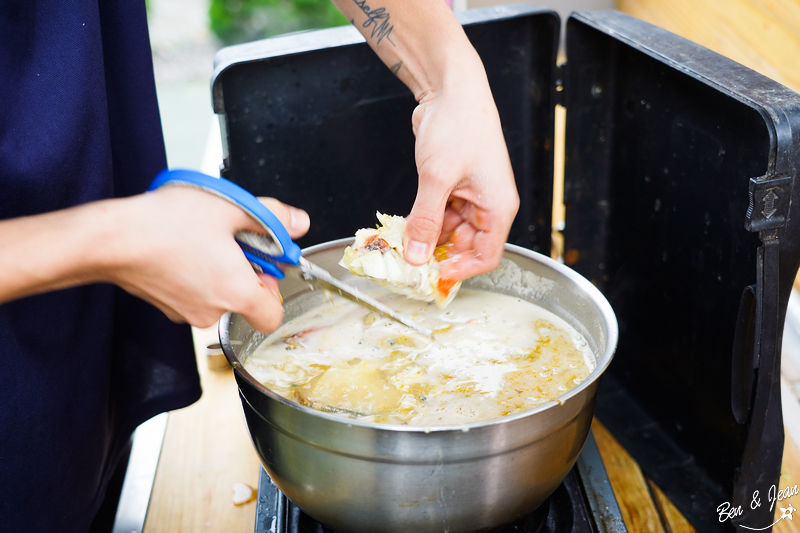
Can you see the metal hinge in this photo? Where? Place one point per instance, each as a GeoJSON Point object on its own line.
{"type": "Point", "coordinates": [769, 203]}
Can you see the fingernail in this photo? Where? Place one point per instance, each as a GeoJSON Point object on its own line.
{"type": "Point", "coordinates": [299, 219]}
{"type": "Point", "coordinates": [417, 252]}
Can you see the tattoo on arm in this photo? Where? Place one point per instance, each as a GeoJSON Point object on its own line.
{"type": "Point", "coordinates": [394, 68]}
{"type": "Point", "coordinates": [378, 21]}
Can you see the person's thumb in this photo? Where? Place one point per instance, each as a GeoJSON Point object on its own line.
{"type": "Point", "coordinates": [423, 226]}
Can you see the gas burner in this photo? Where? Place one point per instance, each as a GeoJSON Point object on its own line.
{"type": "Point", "coordinates": [584, 502]}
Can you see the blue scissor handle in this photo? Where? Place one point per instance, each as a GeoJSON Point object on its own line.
{"type": "Point", "coordinates": [288, 251]}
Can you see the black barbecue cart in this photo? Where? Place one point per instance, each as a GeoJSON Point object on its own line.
{"type": "Point", "coordinates": [679, 179]}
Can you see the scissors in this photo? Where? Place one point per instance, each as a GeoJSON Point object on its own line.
{"type": "Point", "coordinates": [268, 251]}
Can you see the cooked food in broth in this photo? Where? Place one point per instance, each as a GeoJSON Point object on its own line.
{"type": "Point", "coordinates": [377, 253]}
{"type": "Point", "coordinates": [493, 355]}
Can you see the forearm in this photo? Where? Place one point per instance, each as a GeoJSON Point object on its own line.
{"type": "Point", "coordinates": [174, 248]}
{"type": "Point", "coordinates": [419, 40]}
{"type": "Point", "coordinates": [56, 250]}
{"type": "Point", "coordinates": [467, 197]}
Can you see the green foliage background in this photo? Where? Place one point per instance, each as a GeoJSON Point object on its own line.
{"type": "Point", "coordinates": [237, 21]}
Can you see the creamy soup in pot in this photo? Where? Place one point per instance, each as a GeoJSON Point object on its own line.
{"type": "Point", "coordinates": [492, 355]}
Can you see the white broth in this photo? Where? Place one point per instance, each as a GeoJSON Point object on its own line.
{"type": "Point", "coordinates": [492, 355]}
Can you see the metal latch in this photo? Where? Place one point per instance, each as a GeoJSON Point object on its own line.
{"type": "Point", "coordinates": [768, 203]}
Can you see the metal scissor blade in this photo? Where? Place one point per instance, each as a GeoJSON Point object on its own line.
{"type": "Point", "coordinates": [322, 278]}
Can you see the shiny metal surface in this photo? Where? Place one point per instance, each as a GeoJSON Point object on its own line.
{"type": "Point", "coordinates": [140, 475]}
{"type": "Point", "coordinates": [358, 476]}
{"type": "Point", "coordinates": [325, 280]}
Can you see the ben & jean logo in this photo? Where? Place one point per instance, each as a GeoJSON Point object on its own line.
{"type": "Point", "coordinates": [726, 511]}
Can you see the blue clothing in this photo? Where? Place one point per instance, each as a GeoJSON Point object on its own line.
{"type": "Point", "coordinates": [82, 367]}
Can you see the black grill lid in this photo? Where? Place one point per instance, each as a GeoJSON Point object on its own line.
{"type": "Point", "coordinates": [317, 120]}
{"type": "Point", "coordinates": [680, 170]}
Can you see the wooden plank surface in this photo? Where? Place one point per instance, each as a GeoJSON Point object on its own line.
{"type": "Point", "coordinates": [672, 518]}
{"type": "Point", "coordinates": [644, 506]}
{"type": "Point", "coordinates": [761, 34]}
{"type": "Point", "coordinates": [206, 450]}
{"type": "Point", "coordinates": [636, 504]}
{"type": "Point", "coordinates": [790, 477]}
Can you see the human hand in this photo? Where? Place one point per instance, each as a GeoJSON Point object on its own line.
{"type": "Point", "coordinates": [467, 197]}
{"type": "Point", "coordinates": [181, 256]}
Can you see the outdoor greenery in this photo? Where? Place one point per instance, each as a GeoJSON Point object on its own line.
{"type": "Point", "coordinates": [237, 21]}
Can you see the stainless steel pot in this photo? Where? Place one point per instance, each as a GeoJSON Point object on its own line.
{"type": "Point", "coordinates": [358, 476]}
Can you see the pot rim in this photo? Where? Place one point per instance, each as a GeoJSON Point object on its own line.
{"type": "Point", "coordinates": [593, 293]}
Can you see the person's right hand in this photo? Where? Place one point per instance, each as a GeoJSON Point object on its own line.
{"type": "Point", "coordinates": [467, 197]}
{"type": "Point", "coordinates": [177, 251]}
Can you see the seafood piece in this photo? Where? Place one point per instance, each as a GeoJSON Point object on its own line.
{"type": "Point", "coordinates": [377, 254]}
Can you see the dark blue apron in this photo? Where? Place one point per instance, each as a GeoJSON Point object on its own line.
{"type": "Point", "coordinates": [79, 368]}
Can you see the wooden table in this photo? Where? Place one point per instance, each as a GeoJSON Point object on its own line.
{"type": "Point", "coordinates": [207, 449]}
